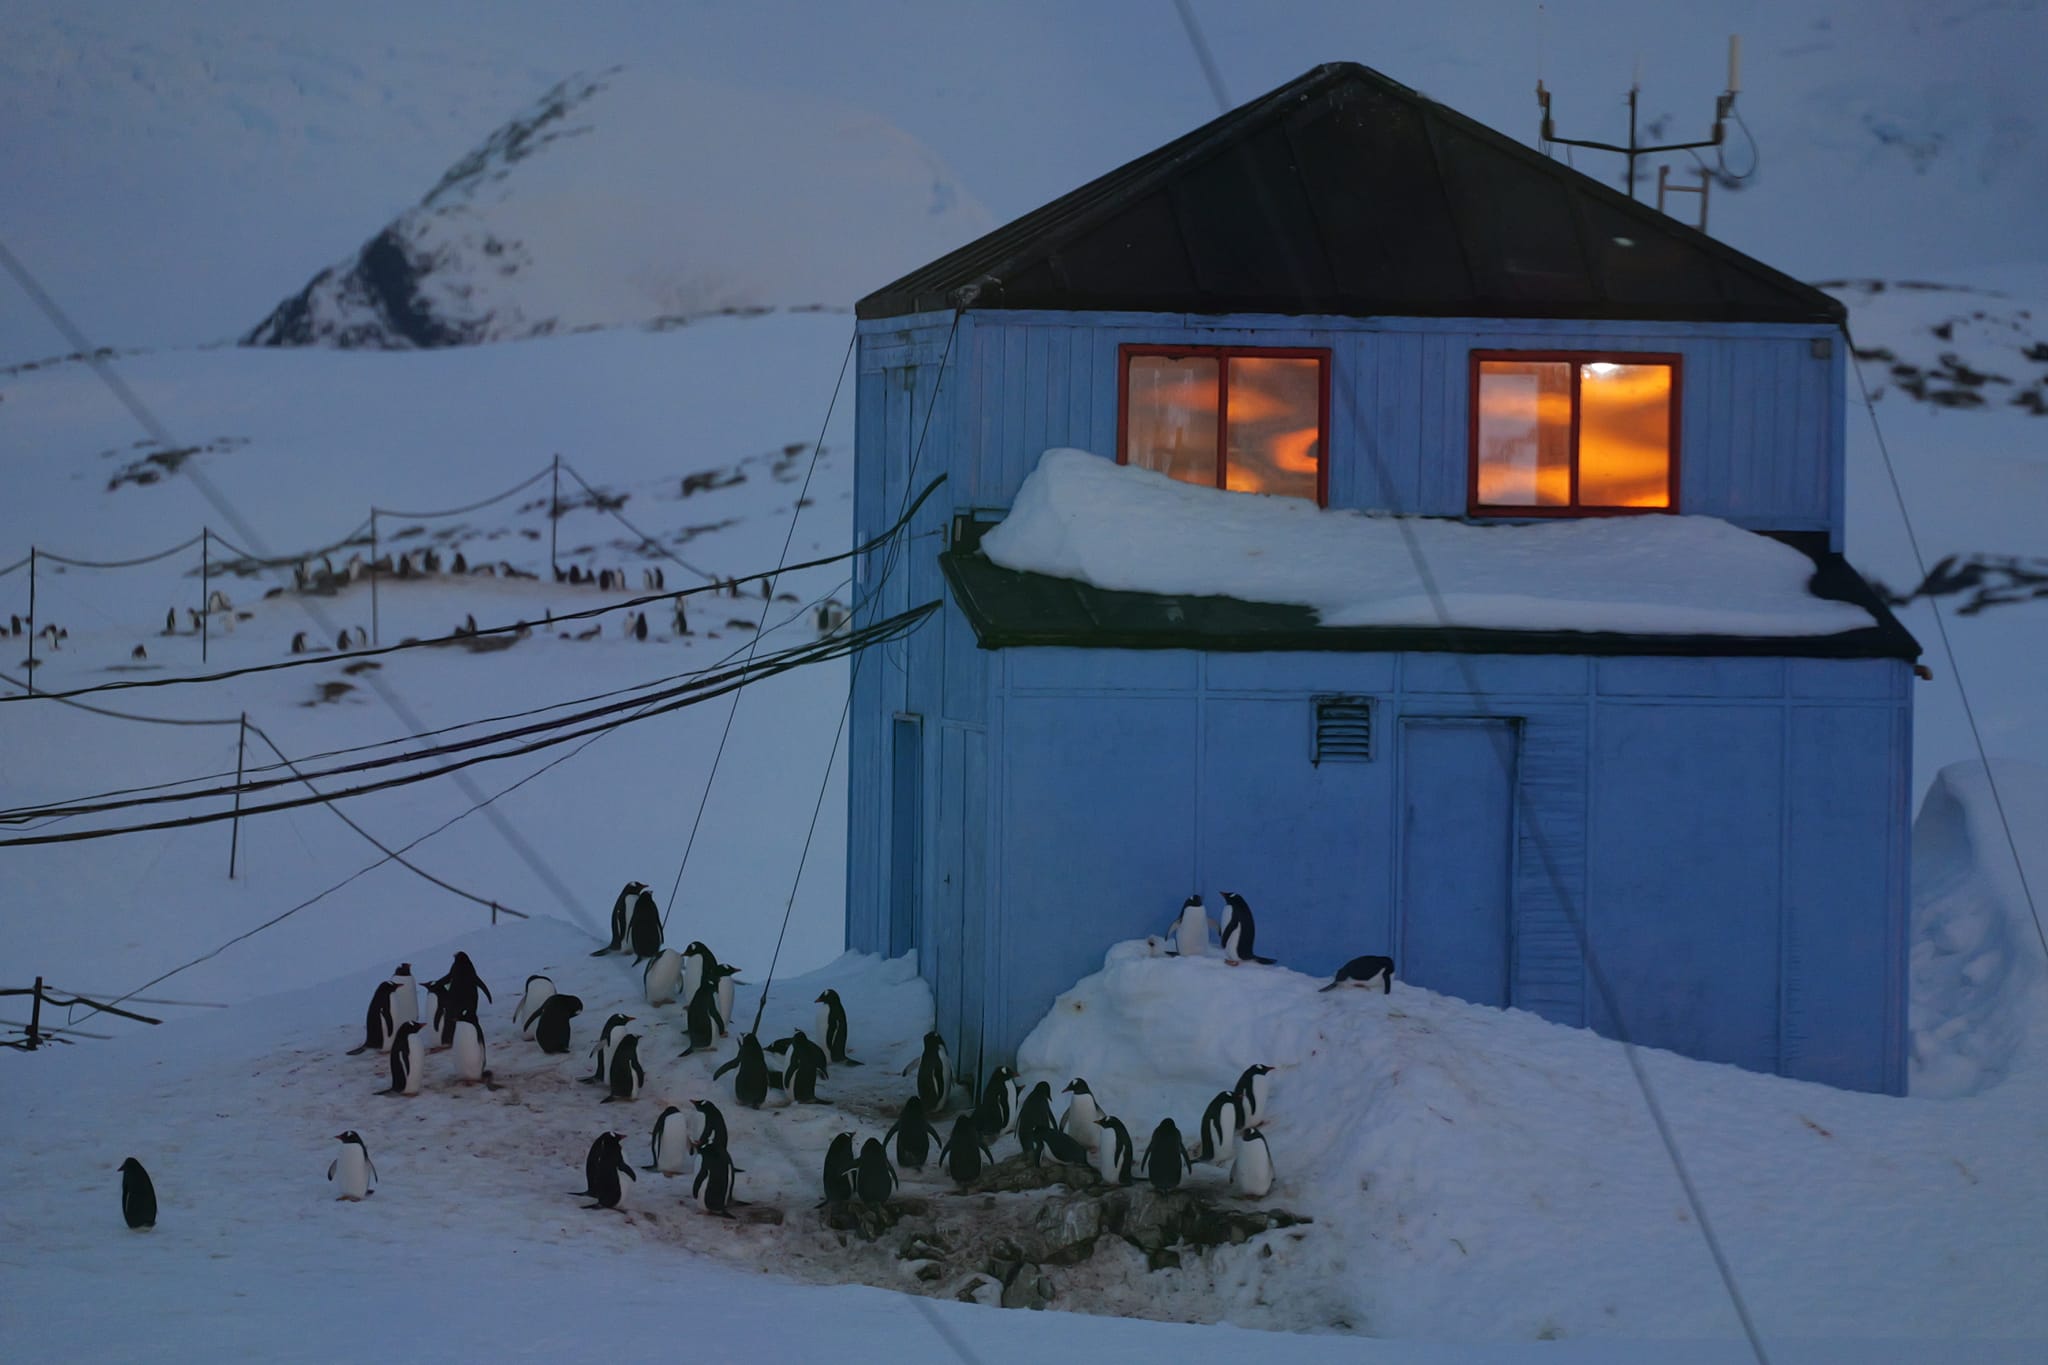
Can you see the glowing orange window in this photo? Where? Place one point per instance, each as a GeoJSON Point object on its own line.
{"type": "Point", "coordinates": [1252, 421]}
{"type": "Point", "coordinates": [1573, 433]}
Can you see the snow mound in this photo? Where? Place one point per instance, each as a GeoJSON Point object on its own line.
{"type": "Point", "coordinates": [634, 197]}
{"type": "Point", "coordinates": [1084, 517]}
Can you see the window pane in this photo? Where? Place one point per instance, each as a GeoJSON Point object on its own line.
{"type": "Point", "coordinates": [1525, 433]}
{"type": "Point", "coordinates": [1275, 425]}
{"type": "Point", "coordinates": [1624, 435]}
{"type": "Point", "coordinates": [1171, 418]}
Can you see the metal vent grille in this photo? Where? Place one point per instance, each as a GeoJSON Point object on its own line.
{"type": "Point", "coordinates": [1343, 730]}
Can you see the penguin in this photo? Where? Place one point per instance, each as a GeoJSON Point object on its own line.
{"type": "Point", "coordinates": [620, 909]}
{"type": "Point", "coordinates": [874, 1179]}
{"type": "Point", "coordinates": [1219, 1130]}
{"type": "Point", "coordinates": [1251, 1174]}
{"type": "Point", "coordinates": [298, 642]}
{"type": "Point", "coordinates": [663, 977]}
{"type": "Point", "coordinates": [455, 993]}
{"type": "Point", "coordinates": [1165, 1160]}
{"type": "Point", "coordinates": [913, 1136]}
{"type": "Point", "coordinates": [996, 1112]}
{"type": "Point", "coordinates": [1078, 1122]}
{"type": "Point", "coordinates": [602, 1167]}
{"type": "Point", "coordinates": [640, 625]}
{"type": "Point", "coordinates": [405, 1001]}
{"type": "Point", "coordinates": [934, 1074]}
{"type": "Point", "coordinates": [714, 1183]}
{"type": "Point", "coordinates": [1362, 971]}
{"type": "Point", "coordinates": [643, 926]}
{"type": "Point", "coordinates": [711, 1130]}
{"type": "Point", "coordinates": [602, 1048]}
{"type": "Point", "coordinates": [444, 1017]}
{"type": "Point", "coordinates": [839, 1167]}
{"type": "Point", "coordinates": [964, 1154]}
{"type": "Point", "coordinates": [724, 976]}
{"type": "Point", "coordinates": [697, 964]}
{"type": "Point", "coordinates": [750, 1085]}
{"type": "Point", "coordinates": [469, 1049]}
{"type": "Point", "coordinates": [1251, 1091]}
{"type": "Point", "coordinates": [408, 1060]}
{"type": "Point", "coordinates": [549, 1025]}
{"type": "Point", "coordinates": [138, 1195]}
{"type": "Point", "coordinates": [666, 1149]}
{"type": "Point", "coordinates": [1113, 1153]}
{"type": "Point", "coordinates": [627, 1075]}
{"type": "Point", "coordinates": [377, 1025]}
{"type": "Point", "coordinates": [805, 1067]}
{"type": "Point", "coordinates": [1037, 1132]}
{"type": "Point", "coordinates": [1190, 932]}
{"type": "Point", "coordinates": [353, 1168]}
{"type": "Point", "coordinates": [705, 1022]}
{"type": "Point", "coordinates": [538, 989]}
{"type": "Point", "coordinates": [832, 1027]}
{"type": "Point", "coordinates": [1239, 932]}
{"type": "Point", "coordinates": [170, 623]}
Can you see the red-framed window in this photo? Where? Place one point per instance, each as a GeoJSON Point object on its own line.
{"type": "Point", "coordinates": [1246, 418]}
{"type": "Point", "coordinates": [1573, 433]}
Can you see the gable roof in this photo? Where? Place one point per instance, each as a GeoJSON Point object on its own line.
{"type": "Point", "coordinates": [1344, 192]}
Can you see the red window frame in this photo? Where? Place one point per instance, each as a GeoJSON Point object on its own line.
{"type": "Point", "coordinates": [1476, 508]}
{"type": "Point", "coordinates": [1223, 356]}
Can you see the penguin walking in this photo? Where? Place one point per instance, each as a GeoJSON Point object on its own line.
{"type": "Point", "coordinates": [995, 1113]}
{"type": "Point", "coordinates": [1219, 1129]}
{"type": "Point", "coordinates": [621, 911]}
{"type": "Point", "coordinates": [469, 1049]}
{"type": "Point", "coordinates": [704, 1021]}
{"type": "Point", "coordinates": [839, 1167]}
{"type": "Point", "coordinates": [1363, 971]}
{"type": "Point", "coordinates": [1252, 1091]}
{"type": "Point", "coordinates": [549, 1025]}
{"type": "Point", "coordinates": [405, 1001]}
{"type": "Point", "coordinates": [1165, 1159]}
{"type": "Point", "coordinates": [965, 1154]}
{"type": "Point", "coordinates": [602, 1167]}
{"type": "Point", "coordinates": [1251, 1174]}
{"type": "Point", "coordinates": [710, 1127]}
{"type": "Point", "coordinates": [934, 1074]}
{"type": "Point", "coordinates": [352, 1170]}
{"type": "Point", "coordinates": [1190, 932]}
{"type": "Point", "coordinates": [1240, 932]}
{"type": "Point", "coordinates": [1038, 1133]}
{"type": "Point", "coordinates": [1113, 1152]}
{"type": "Point", "coordinates": [750, 1085]}
{"type": "Point", "coordinates": [378, 1025]}
{"type": "Point", "coordinates": [913, 1136]}
{"type": "Point", "coordinates": [627, 1075]}
{"type": "Point", "coordinates": [1078, 1122]}
{"type": "Point", "coordinates": [408, 1059]}
{"type": "Point", "coordinates": [832, 1027]}
{"type": "Point", "coordinates": [643, 926]}
{"type": "Point", "coordinates": [138, 1195]}
{"type": "Point", "coordinates": [613, 1030]}
{"type": "Point", "coordinates": [874, 1179]}
{"type": "Point", "coordinates": [538, 989]}
{"type": "Point", "coordinates": [670, 1143]}
{"type": "Point", "coordinates": [713, 1186]}
{"type": "Point", "coordinates": [663, 977]}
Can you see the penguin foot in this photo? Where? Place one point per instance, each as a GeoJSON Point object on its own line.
{"type": "Point", "coordinates": [844, 1061]}
{"type": "Point", "coordinates": [440, 1047]}
{"type": "Point", "coordinates": [357, 1051]}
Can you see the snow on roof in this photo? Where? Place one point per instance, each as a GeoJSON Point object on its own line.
{"type": "Point", "coordinates": [1083, 517]}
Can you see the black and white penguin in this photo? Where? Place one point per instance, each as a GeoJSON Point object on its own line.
{"type": "Point", "coordinates": [408, 1059]}
{"type": "Point", "coordinates": [750, 1086]}
{"type": "Point", "coordinates": [621, 910]}
{"type": "Point", "coordinates": [549, 1025]}
{"type": "Point", "coordinates": [1165, 1160]}
{"type": "Point", "coordinates": [663, 977]}
{"type": "Point", "coordinates": [874, 1179]}
{"type": "Point", "coordinates": [138, 1195]}
{"type": "Point", "coordinates": [804, 1068]}
{"type": "Point", "coordinates": [352, 1170]}
{"type": "Point", "coordinates": [1363, 971]}
{"type": "Point", "coordinates": [1078, 1122]}
{"type": "Point", "coordinates": [965, 1153]}
{"type": "Point", "coordinates": [714, 1183]}
{"type": "Point", "coordinates": [831, 1027]}
{"type": "Point", "coordinates": [703, 1019]}
{"type": "Point", "coordinates": [627, 1075]}
{"type": "Point", "coordinates": [444, 1017]}
{"type": "Point", "coordinates": [1240, 932]}
{"type": "Point", "coordinates": [1219, 1129]}
{"type": "Point", "coordinates": [640, 625]}
{"type": "Point", "coordinates": [643, 926]}
{"type": "Point", "coordinates": [455, 994]}
{"type": "Point", "coordinates": [405, 1001]}
{"type": "Point", "coordinates": [697, 965]}
{"type": "Point", "coordinates": [1113, 1153]}
{"type": "Point", "coordinates": [711, 1126]}
{"type": "Point", "coordinates": [839, 1166]}
{"type": "Point", "coordinates": [724, 974]}
{"type": "Point", "coordinates": [602, 1167]}
{"type": "Point", "coordinates": [1251, 1174]}
{"type": "Point", "coordinates": [1038, 1133]}
{"type": "Point", "coordinates": [538, 989]}
{"type": "Point", "coordinates": [377, 1024]}
{"type": "Point", "coordinates": [934, 1074]}
{"type": "Point", "coordinates": [996, 1110]}
{"type": "Point", "coordinates": [469, 1049]}
{"type": "Point", "coordinates": [1252, 1090]}
{"type": "Point", "coordinates": [1189, 933]}
{"type": "Point", "coordinates": [913, 1135]}
{"type": "Point", "coordinates": [613, 1030]}
{"type": "Point", "coordinates": [670, 1144]}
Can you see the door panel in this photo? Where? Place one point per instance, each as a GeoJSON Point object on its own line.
{"type": "Point", "coordinates": [906, 837]}
{"type": "Point", "coordinates": [1457, 856]}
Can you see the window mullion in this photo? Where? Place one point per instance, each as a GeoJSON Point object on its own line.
{"type": "Point", "coordinates": [1578, 369]}
{"type": "Point", "coordinates": [1222, 419]}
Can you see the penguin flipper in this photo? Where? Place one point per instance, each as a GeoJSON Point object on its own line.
{"type": "Point", "coordinates": [1331, 987]}
{"type": "Point", "coordinates": [1265, 961]}
{"type": "Point", "coordinates": [330, 1167]}
{"type": "Point", "coordinates": [723, 1069]}
{"type": "Point", "coordinates": [844, 1060]}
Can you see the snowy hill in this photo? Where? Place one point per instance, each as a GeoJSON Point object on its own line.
{"type": "Point", "coordinates": [633, 197]}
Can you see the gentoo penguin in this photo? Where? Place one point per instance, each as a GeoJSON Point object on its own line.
{"type": "Point", "coordinates": [627, 1075]}
{"type": "Point", "coordinates": [643, 926]}
{"type": "Point", "coordinates": [913, 1136]}
{"type": "Point", "coordinates": [1252, 1090]}
{"type": "Point", "coordinates": [710, 1126]}
{"type": "Point", "coordinates": [613, 1030]}
{"type": "Point", "coordinates": [1190, 933]}
{"type": "Point", "coordinates": [405, 1001]}
{"type": "Point", "coordinates": [1240, 932]}
{"type": "Point", "coordinates": [996, 1112]}
{"type": "Point", "coordinates": [831, 1027]}
{"type": "Point", "coordinates": [538, 989]}
{"type": "Point", "coordinates": [724, 975]}
{"type": "Point", "coordinates": [750, 1086]}
{"type": "Point", "coordinates": [408, 1059]}
{"type": "Point", "coordinates": [874, 1179]}
{"type": "Point", "coordinates": [965, 1153]}
{"type": "Point", "coordinates": [138, 1196]}
{"type": "Point", "coordinates": [1113, 1153]}
{"type": "Point", "coordinates": [663, 977]}
{"type": "Point", "coordinates": [549, 1025]}
{"type": "Point", "coordinates": [1038, 1133]}
{"type": "Point", "coordinates": [464, 985]}
{"type": "Point", "coordinates": [704, 1021]}
{"type": "Point", "coordinates": [839, 1164]}
{"type": "Point", "coordinates": [378, 1025]}
{"type": "Point", "coordinates": [669, 1144]}
{"type": "Point", "coordinates": [469, 1049]}
{"type": "Point", "coordinates": [1251, 1175]}
{"type": "Point", "coordinates": [714, 1182]}
{"type": "Point", "coordinates": [621, 908]}
{"type": "Point", "coordinates": [444, 1016]}
{"type": "Point", "coordinates": [1078, 1122]}
{"type": "Point", "coordinates": [697, 964]}
{"type": "Point", "coordinates": [934, 1074]}
{"type": "Point", "coordinates": [804, 1068]}
{"type": "Point", "coordinates": [602, 1167]}
{"type": "Point", "coordinates": [1165, 1160]}
{"type": "Point", "coordinates": [1219, 1129]}
{"type": "Point", "coordinates": [352, 1170]}
{"type": "Point", "coordinates": [1363, 971]}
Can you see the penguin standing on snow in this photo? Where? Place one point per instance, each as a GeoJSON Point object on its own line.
{"type": "Point", "coordinates": [724, 975]}
{"type": "Point", "coordinates": [1363, 971]}
{"type": "Point", "coordinates": [1165, 1160]}
{"type": "Point", "coordinates": [1240, 932]}
{"type": "Point", "coordinates": [663, 977]}
{"type": "Point", "coordinates": [613, 1030]}
{"type": "Point", "coordinates": [627, 1075]}
{"type": "Point", "coordinates": [832, 1027]}
{"type": "Point", "coordinates": [934, 1074]}
{"type": "Point", "coordinates": [352, 1170]}
{"type": "Point", "coordinates": [378, 1025]}
{"type": "Point", "coordinates": [697, 965]}
{"type": "Point", "coordinates": [1190, 932]}
{"type": "Point", "coordinates": [711, 1126]}
{"type": "Point", "coordinates": [538, 989]}
{"type": "Point", "coordinates": [839, 1166]}
{"type": "Point", "coordinates": [1219, 1129]}
{"type": "Point", "coordinates": [913, 1136]}
{"type": "Point", "coordinates": [469, 1049]}
{"type": "Point", "coordinates": [1251, 1175]}
{"type": "Point", "coordinates": [874, 1179]}
{"type": "Point", "coordinates": [549, 1025]}
{"type": "Point", "coordinates": [1252, 1091]}
{"type": "Point", "coordinates": [965, 1154]}
{"type": "Point", "coordinates": [714, 1183]}
{"type": "Point", "coordinates": [1038, 1133]}
{"type": "Point", "coordinates": [405, 1001]}
{"type": "Point", "coordinates": [408, 1060]}
{"type": "Point", "coordinates": [1113, 1153]}
{"type": "Point", "coordinates": [995, 1113]}
{"type": "Point", "coordinates": [621, 911]}
{"type": "Point", "coordinates": [750, 1086]}
{"type": "Point", "coordinates": [138, 1195]}
{"type": "Point", "coordinates": [643, 927]}
{"type": "Point", "coordinates": [703, 1019]}
{"type": "Point", "coordinates": [803, 1069]}
{"type": "Point", "coordinates": [455, 993]}
{"type": "Point", "coordinates": [602, 1166]}
{"type": "Point", "coordinates": [1078, 1122]}
{"type": "Point", "coordinates": [669, 1144]}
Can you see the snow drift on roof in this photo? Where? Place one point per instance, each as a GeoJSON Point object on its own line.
{"type": "Point", "coordinates": [1083, 517]}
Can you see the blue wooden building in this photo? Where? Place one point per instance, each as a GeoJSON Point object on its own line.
{"type": "Point", "coordinates": [1346, 292]}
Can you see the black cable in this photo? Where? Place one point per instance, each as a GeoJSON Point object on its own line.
{"type": "Point", "coordinates": [17, 564]}
{"type": "Point", "coordinates": [66, 560]}
{"type": "Point", "coordinates": [597, 500]}
{"type": "Point", "coordinates": [120, 715]}
{"type": "Point", "coordinates": [521, 486]}
{"type": "Point", "coordinates": [358, 536]}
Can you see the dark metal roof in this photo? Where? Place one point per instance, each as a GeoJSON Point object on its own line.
{"type": "Point", "coordinates": [1344, 192]}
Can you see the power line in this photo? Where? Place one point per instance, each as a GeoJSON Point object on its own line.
{"type": "Point", "coordinates": [68, 561]}
{"type": "Point", "coordinates": [598, 501]}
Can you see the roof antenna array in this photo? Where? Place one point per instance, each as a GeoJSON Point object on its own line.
{"type": "Point", "coordinates": [1724, 105]}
